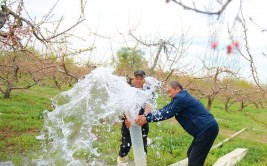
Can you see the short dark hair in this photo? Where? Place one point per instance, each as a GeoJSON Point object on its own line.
{"type": "Point", "coordinates": [175, 84]}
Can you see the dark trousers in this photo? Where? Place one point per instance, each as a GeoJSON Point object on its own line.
{"type": "Point", "coordinates": [126, 139]}
{"type": "Point", "coordinates": [200, 146]}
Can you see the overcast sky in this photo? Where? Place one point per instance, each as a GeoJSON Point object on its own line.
{"type": "Point", "coordinates": [155, 18]}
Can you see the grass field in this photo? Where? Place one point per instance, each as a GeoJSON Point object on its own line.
{"type": "Point", "coordinates": [21, 121]}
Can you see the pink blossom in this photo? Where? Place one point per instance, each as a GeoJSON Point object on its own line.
{"type": "Point", "coordinates": [236, 44]}
{"type": "Point", "coordinates": [229, 49]}
{"type": "Point", "coordinates": [214, 44]}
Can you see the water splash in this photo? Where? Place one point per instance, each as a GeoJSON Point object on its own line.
{"type": "Point", "coordinates": [70, 130]}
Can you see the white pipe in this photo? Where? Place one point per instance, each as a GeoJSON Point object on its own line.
{"type": "Point", "coordinates": [229, 138]}
{"type": "Point", "coordinates": [138, 145]}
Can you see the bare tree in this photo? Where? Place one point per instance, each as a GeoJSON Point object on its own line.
{"type": "Point", "coordinates": [247, 55]}
{"type": "Point", "coordinates": [214, 8]}
{"type": "Point", "coordinates": [21, 70]}
{"type": "Point", "coordinates": [166, 55]}
{"type": "Point", "coordinates": [213, 82]}
{"type": "Point", "coordinates": [17, 33]}
{"type": "Point", "coordinates": [234, 89]}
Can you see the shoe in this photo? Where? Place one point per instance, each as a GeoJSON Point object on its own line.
{"type": "Point", "coordinates": [122, 161]}
{"type": "Point", "coordinates": [149, 141]}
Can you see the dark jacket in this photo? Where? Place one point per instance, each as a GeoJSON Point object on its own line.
{"type": "Point", "coordinates": [188, 111]}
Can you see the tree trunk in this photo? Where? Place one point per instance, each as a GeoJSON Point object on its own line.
{"type": "Point", "coordinates": [256, 105]}
{"type": "Point", "coordinates": [14, 77]}
{"type": "Point", "coordinates": [226, 106]}
{"type": "Point", "coordinates": [8, 91]}
{"type": "Point", "coordinates": [157, 57]}
{"type": "Point", "coordinates": [242, 106]}
{"type": "Point", "coordinates": [209, 103]}
{"type": "Point", "coordinates": [15, 69]}
{"type": "Point", "coordinates": [262, 106]}
{"type": "Point", "coordinates": [168, 76]}
{"type": "Point", "coordinates": [56, 82]}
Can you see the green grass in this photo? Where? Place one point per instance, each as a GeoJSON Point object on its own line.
{"type": "Point", "coordinates": [21, 121]}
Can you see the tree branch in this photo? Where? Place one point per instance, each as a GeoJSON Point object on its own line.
{"type": "Point", "coordinates": [219, 12]}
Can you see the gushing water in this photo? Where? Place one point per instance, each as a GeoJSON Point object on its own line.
{"type": "Point", "coordinates": [69, 131]}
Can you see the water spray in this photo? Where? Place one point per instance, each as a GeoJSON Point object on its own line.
{"type": "Point", "coordinates": [69, 133]}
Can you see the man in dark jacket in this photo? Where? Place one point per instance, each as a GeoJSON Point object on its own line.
{"type": "Point", "coordinates": [138, 82]}
{"type": "Point", "coordinates": [193, 117]}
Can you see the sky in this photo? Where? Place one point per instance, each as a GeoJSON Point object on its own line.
{"type": "Point", "coordinates": [157, 19]}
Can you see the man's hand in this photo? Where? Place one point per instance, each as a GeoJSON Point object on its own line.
{"type": "Point", "coordinates": [147, 108]}
{"type": "Point", "coordinates": [127, 121]}
{"type": "Point", "coordinates": [141, 120]}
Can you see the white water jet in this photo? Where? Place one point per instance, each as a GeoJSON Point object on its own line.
{"type": "Point", "coordinates": [70, 130]}
{"type": "Point", "coordinates": [138, 145]}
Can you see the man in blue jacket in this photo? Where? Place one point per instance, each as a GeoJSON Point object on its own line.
{"type": "Point", "coordinates": [193, 117]}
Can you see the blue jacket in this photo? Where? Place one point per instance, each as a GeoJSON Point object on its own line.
{"type": "Point", "coordinates": [188, 111]}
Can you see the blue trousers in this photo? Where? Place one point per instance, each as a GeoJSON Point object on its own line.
{"type": "Point", "coordinates": [200, 146]}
